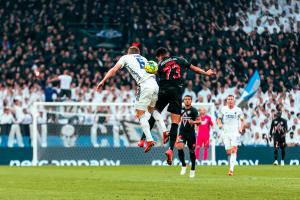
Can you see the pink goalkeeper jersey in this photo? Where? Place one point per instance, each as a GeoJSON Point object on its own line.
{"type": "Point", "coordinates": [204, 127]}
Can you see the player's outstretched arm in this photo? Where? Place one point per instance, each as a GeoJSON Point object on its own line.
{"type": "Point", "coordinates": [54, 79]}
{"type": "Point", "coordinates": [109, 74]}
{"type": "Point", "coordinates": [209, 72]}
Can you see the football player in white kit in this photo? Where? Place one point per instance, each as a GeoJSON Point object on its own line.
{"type": "Point", "coordinates": [147, 94]}
{"type": "Point", "coordinates": [232, 122]}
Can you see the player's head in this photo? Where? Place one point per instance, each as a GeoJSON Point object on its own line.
{"type": "Point", "coordinates": [66, 72]}
{"type": "Point", "coordinates": [230, 100]}
{"type": "Point", "coordinates": [187, 100]}
{"type": "Point", "coordinates": [202, 111]}
{"type": "Point", "coordinates": [133, 50]}
{"type": "Point", "coordinates": [279, 107]}
{"type": "Point", "coordinates": [161, 53]}
{"type": "Point", "coordinates": [278, 114]}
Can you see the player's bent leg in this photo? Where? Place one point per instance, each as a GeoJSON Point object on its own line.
{"type": "Point", "coordinates": [143, 138]}
{"type": "Point", "coordinates": [173, 134]}
{"type": "Point", "coordinates": [158, 117]}
{"type": "Point", "coordinates": [175, 118]}
{"type": "Point", "coordinates": [144, 117]}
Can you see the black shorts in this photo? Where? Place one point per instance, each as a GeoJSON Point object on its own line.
{"type": "Point", "coordinates": [279, 141]}
{"type": "Point", "coordinates": [187, 138]}
{"type": "Point", "coordinates": [64, 92]}
{"type": "Point", "coordinates": [172, 96]}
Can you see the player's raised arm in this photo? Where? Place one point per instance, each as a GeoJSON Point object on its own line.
{"type": "Point", "coordinates": [198, 70]}
{"type": "Point", "coordinates": [109, 74]}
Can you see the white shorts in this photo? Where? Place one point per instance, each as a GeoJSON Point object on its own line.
{"type": "Point", "coordinates": [231, 140]}
{"type": "Point", "coordinates": [147, 94]}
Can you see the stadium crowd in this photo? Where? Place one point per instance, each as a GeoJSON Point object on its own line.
{"type": "Point", "coordinates": [233, 37]}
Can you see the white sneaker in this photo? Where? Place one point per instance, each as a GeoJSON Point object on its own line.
{"type": "Point", "coordinates": [275, 162]}
{"type": "Point", "coordinates": [282, 163]}
{"type": "Point", "coordinates": [183, 170]}
{"type": "Point", "coordinates": [192, 173]}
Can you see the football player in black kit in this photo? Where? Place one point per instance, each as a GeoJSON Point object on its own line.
{"type": "Point", "coordinates": [171, 87]}
{"type": "Point", "coordinates": [187, 134]}
{"type": "Point", "coordinates": [278, 131]}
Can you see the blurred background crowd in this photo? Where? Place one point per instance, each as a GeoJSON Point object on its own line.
{"type": "Point", "coordinates": [58, 50]}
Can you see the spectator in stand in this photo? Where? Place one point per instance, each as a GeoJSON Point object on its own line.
{"type": "Point", "coordinates": [65, 84]}
{"type": "Point", "coordinates": [15, 130]}
{"type": "Point", "coordinates": [214, 37]}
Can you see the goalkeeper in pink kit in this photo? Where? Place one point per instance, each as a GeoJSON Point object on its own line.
{"type": "Point", "coordinates": [202, 140]}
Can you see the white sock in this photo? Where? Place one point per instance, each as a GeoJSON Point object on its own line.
{"type": "Point", "coordinates": [158, 117]}
{"type": "Point", "coordinates": [232, 161]}
{"type": "Point", "coordinates": [146, 127]}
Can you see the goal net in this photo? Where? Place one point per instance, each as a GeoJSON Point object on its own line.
{"type": "Point", "coordinates": [95, 134]}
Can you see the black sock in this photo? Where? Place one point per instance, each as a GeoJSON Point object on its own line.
{"type": "Point", "coordinates": [275, 153]}
{"type": "Point", "coordinates": [181, 157]}
{"type": "Point", "coordinates": [282, 153]}
{"type": "Point", "coordinates": [173, 135]}
{"type": "Point", "coordinates": [193, 159]}
{"type": "Point", "coordinates": [151, 123]}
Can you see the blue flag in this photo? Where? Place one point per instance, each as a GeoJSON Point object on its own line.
{"type": "Point", "coordinates": [250, 89]}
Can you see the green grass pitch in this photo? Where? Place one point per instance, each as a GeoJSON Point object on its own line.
{"type": "Point", "coordinates": [148, 182]}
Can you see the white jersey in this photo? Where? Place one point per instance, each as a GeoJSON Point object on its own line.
{"type": "Point", "coordinates": [231, 119]}
{"type": "Point", "coordinates": [135, 64]}
{"type": "Point", "coordinates": [65, 82]}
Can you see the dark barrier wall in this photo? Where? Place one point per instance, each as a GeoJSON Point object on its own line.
{"type": "Point", "coordinates": [134, 156]}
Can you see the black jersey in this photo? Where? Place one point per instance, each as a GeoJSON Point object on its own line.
{"type": "Point", "coordinates": [170, 71]}
{"type": "Point", "coordinates": [278, 127]}
{"type": "Point", "coordinates": [186, 115]}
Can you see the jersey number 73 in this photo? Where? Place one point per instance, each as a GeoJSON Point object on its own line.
{"type": "Point", "coordinates": [172, 68]}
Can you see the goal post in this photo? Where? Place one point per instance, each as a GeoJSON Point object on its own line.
{"type": "Point", "coordinates": [89, 133]}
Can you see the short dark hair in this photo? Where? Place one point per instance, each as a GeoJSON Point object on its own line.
{"type": "Point", "coordinates": [188, 96]}
{"type": "Point", "coordinates": [230, 96]}
{"type": "Point", "coordinates": [161, 51]}
{"type": "Point", "coordinates": [133, 50]}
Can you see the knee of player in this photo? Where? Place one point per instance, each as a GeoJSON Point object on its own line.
{"type": "Point", "coordinates": [151, 109]}
{"type": "Point", "coordinates": [233, 149]}
{"type": "Point", "coordinates": [179, 144]}
{"type": "Point", "coordinates": [141, 113]}
{"type": "Point", "coordinates": [192, 150]}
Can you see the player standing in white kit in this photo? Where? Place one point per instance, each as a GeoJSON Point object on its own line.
{"type": "Point", "coordinates": [147, 90]}
{"type": "Point", "coordinates": [231, 120]}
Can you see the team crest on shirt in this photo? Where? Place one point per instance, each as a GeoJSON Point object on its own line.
{"type": "Point", "coordinates": [185, 118]}
{"type": "Point", "coordinates": [204, 121]}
